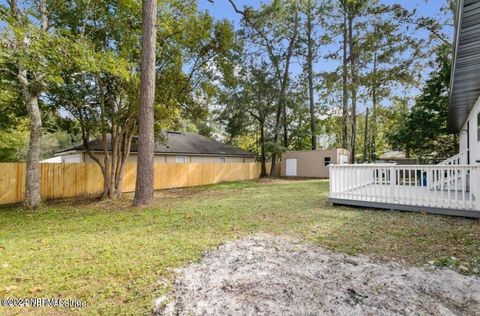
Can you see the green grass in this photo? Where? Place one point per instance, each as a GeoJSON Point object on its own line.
{"type": "Point", "coordinates": [111, 255]}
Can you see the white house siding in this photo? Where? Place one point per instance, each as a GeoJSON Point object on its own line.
{"type": "Point", "coordinates": [203, 159]}
{"type": "Point", "coordinates": [79, 157]}
{"type": "Point", "coordinates": [474, 141]}
{"type": "Point", "coordinates": [52, 160]}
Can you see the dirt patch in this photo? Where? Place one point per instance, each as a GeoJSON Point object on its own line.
{"type": "Point", "coordinates": [270, 275]}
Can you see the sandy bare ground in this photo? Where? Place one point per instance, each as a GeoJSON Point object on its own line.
{"type": "Point", "coordinates": [266, 275]}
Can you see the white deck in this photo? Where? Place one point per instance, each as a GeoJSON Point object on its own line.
{"type": "Point", "coordinates": [405, 195]}
{"type": "Point", "coordinates": [430, 188]}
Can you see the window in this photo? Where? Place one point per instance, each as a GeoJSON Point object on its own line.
{"type": "Point", "coordinates": [327, 161]}
{"type": "Point", "coordinates": [478, 127]}
{"type": "Point", "coordinates": [181, 159]}
{"type": "Point", "coordinates": [222, 160]}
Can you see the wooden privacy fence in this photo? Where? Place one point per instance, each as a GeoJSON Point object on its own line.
{"type": "Point", "coordinates": [85, 179]}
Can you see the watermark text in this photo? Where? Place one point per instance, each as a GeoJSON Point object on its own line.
{"type": "Point", "coordinates": [42, 302]}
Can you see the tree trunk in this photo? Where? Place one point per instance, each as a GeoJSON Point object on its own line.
{"type": "Point", "coordinates": [310, 44]}
{"type": "Point", "coordinates": [282, 107]}
{"type": "Point", "coordinates": [32, 178]}
{"type": "Point", "coordinates": [285, 129]}
{"type": "Point", "coordinates": [365, 140]}
{"type": "Point", "coordinates": [263, 172]}
{"type": "Point", "coordinates": [354, 90]}
{"type": "Point", "coordinates": [286, 79]}
{"type": "Point", "coordinates": [113, 162]}
{"type": "Point", "coordinates": [373, 148]}
{"type": "Point", "coordinates": [112, 172]}
{"type": "Point", "coordinates": [344, 87]}
{"type": "Point", "coordinates": [106, 163]}
{"type": "Point", "coordinates": [146, 140]}
{"type": "Point", "coordinates": [124, 152]}
{"type": "Point", "coordinates": [273, 167]}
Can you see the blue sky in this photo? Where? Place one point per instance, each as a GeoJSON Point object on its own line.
{"type": "Point", "coordinates": [221, 9]}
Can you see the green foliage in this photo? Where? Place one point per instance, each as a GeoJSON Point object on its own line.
{"type": "Point", "coordinates": [425, 131]}
{"type": "Point", "coordinates": [88, 59]}
{"type": "Point", "coordinates": [249, 107]}
{"type": "Point", "coordinates": [14, 142]}
{"type": "Point", "coordinates": [12, 108]}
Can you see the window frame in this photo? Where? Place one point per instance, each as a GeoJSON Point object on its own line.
{"type": "Point", "coordinates": [181, 156]}
{"type": "Point", "coordinates": [327, 162]}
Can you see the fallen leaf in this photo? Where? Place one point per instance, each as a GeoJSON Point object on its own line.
{"type": "Point", "coordinates": [2, 247]}
{"type": "Point", "coordinates": [36, 289]}
{"type": "Point", "coordinates": [11, 288]}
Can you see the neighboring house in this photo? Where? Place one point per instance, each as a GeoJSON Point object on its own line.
{"type": "Point", "coordinates": [52, 160]}
{"type": "Point", "coordinates": [451, 187]}
{"type": "Point", "coordinates": [398, 157]}
{"type": "Point", "coordinates": [178, 147]}
{"type": "Point", "coordinates": [311, 163]}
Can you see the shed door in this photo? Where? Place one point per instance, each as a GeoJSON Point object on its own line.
{"type": "Point", "coordinates": [343, 159]}
{"type": "Point", "coordinates": [291, 168]}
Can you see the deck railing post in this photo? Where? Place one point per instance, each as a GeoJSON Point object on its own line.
{"type": "Point", "coordinates": [393, 181]}
{"type": "Point", "coordinates": [475, 187]}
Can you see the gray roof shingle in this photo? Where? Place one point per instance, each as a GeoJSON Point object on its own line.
{"type": "Point", "coordinates": [177, 143]}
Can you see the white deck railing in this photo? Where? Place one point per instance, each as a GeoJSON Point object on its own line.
{"type": "Point", "coordinates": [458, 159]}
{"type": "Point", "coordinates": [436, 186]}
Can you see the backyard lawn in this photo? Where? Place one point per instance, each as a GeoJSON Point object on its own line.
{"type": "Point", "coordinates": [111, 255]}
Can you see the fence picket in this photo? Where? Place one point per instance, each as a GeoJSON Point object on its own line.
{"type": "Point", "coordinates": [85, 179]}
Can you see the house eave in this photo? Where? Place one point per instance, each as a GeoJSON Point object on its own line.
{"type": "Point", "coordinates": [70, 152]}
{"type": "Point", "coordinates": [465, 77]}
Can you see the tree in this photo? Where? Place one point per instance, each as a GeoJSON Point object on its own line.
{"type": "Point", "coordinates": [345, 94]}
{"type": "Point", "coordinates": [101, 94]}
{"type": "Point", "coordinates": [274, 30]}
{"type": "Point", "coordinates": [352, 25]}
{"type": "Point", "coordinates": [310, 57]}
{"type": "Point", "coordinates": [32, 81]}
{"type": "Point", "coordinates": [354, 10]}
{"type": "Point", "coordinates": [391, 59]}
{"type": "Point", "coordinates": [99, 91]}
{"type": "Point", "coordinates": [103, 104]}
{"type": "Point", "coordinates": [314, 12]}
{"type": "Point", "coordinates": [255, 94]}
{"type": "Point", "coordinates": [146, 138]}
{"type": "Point", "coordinates": [425, 132]}
{"type": "Point", "coordinates": [377, 57]}
{"type": "Point", "coordinates": [34, 51]}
